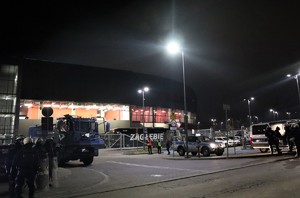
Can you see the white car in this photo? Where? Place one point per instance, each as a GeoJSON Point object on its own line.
{"type": "Point", "coordinates": [224, 140]}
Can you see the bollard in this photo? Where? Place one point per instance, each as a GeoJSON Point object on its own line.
{"type": "Point", "coordinates": [42, 178]}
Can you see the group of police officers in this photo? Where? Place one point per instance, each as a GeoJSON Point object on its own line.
{"type": "Point", "coordinates": [291, 137]}
{"type": "Point", "coordinates": [25, 160]}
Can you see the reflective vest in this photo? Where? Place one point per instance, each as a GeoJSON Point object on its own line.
{"type": "Point", "coordinates": [149, 142]}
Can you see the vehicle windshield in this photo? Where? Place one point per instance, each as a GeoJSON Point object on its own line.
{"type": "Point", "coordinates": [259, 129]}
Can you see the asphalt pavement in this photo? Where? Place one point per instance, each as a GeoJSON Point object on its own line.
{"type": "Point", "coordinates": [71, 183]}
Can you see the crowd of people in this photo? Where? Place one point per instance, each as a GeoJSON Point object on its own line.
{"type": "Point", "coordinates": [25, 160]}
{"type": "Point", "coordinates": [290, 137]}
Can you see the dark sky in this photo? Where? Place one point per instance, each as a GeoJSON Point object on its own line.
{"type": "Point", "coordinates": [233, 49]}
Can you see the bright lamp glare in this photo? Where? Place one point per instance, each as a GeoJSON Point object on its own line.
{"type": "Point", "coordinates": [288, 75]}
{"type": "Point", "coordinates": [173, 48]}
{"type": "Point", "coordinates": [146, 89]}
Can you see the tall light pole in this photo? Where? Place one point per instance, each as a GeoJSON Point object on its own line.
{"type": "Point", "coordinates": [249, 108]}
{"type": "Point", "coordinates": [174, 48]}
{"type": "Point", "coordinates": [297, 81]}
{"type": "Point", "coordinates": [142, 91]}
{"type": "Point", "coordinates": [274, 113]}
{"type": "Point", "coordinates": [289, 115]}
{"type": "Point", "coordinates": [256, 117]}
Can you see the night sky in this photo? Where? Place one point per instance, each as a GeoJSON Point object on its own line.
{"type": "Point", "coordinates": [233, 49]}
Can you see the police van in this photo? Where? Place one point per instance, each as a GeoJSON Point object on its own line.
{"type": "Point", "coordinates": [258, 140]}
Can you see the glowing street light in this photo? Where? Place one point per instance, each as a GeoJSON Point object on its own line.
{"type": "Point", "coordinates": [297, 81]}
{"type": "Point", "coordinates": [256, 117]}
{"type": "Point", "coordinates": [174, 48]}
{"type": "Point", "coordinates": [142, 91]}
{"type": "Point", "coordinates": [274, 113]}
{"type": "Point", "coordinates": [289, 115]}
{"type": "Point", "coordinates": [249, 108]}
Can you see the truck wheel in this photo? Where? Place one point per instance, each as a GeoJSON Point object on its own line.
{"type": "Point", "coordinates": [264, 150]}
{"type": "Point", "coordinates": [87, 161]}
{"type": "Point", "coordinates": [205, 151]}
{"type": "Point", "coordinates": [181, 151]}
{"type": "Point", "coordinates": [219, 153]}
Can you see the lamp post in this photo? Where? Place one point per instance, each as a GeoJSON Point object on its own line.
{"type": "Point", "coordinates": [289, 115]}
{"type": "Point", "coordinates": [249, 108]}
{"type": "Point", "coordinates": [297, 81]}
{"type": "Point", "coordinates": [256, 117]}
{"type": "Point", "coordinates": [274, 113]}
{"type": "Point", "coordinates": [173, 48]}
{"type": "Point", "coordinates": [142, 91]}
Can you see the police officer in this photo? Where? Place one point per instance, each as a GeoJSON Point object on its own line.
{"type": "Point", "coordinates": [50, 149]}
{"type": "Point", "coordinates": [296, 136]}
{"type": "Point", "coordinates": [26, 162]}
{"type": "Point", "coordinates": [272, 139]}
{"type": "Point", "coordinates": [11, 170]}
{"type": "Point", "coordinates": [158, 146]}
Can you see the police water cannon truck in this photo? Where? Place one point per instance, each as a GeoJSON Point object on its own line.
{"type": "Point", "coordinates": [75, 138]}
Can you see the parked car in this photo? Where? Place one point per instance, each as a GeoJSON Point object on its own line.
{"type": "Point", "coordinates": [224, 140]}
{"type": "Point", "coordinates": [207, 146]}
{"type": "Point", "coordinates": [236, 140]}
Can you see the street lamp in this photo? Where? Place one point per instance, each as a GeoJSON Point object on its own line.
{"type": "Point", "coordinates": [142, 91]}
{"type": "Point", "coordinates": [174, 48]}
{"type": "Point", "coordinates": [289, 115]}
{"type": "Point", "coordinates": [249, 101]}
{"type": "Point", "coordinates": [256, 117]}
{"type": "Point", "coordinates": [297, 81]}
{"type": "Point", "coordinates": [274, 113]}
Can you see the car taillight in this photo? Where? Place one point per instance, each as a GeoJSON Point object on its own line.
{"type": "Point", "coordinates": [250, 140]}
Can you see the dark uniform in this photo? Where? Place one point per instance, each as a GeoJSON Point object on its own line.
{"type": "Point", "coordinates": [296, 135]}
{"type": "Point", "coordinates": [11, 170]}
{"type": "Point", "coordinates": [272, 140]}
{"type": "Point", "coordinates": [168, 144]}
{"type": "Point", "coordinates": [26, 162]}
{"type": "Point", "coordinates": [50, 149]}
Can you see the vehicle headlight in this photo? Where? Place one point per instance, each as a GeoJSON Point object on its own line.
{"type": "Point", "coordinates": [213, 145]}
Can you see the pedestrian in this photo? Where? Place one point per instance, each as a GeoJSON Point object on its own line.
{"type": "Point", "coordinates": [11, 171]}
{"type": "Point", "coordinates": [158, 146]}
{"type": "Point", "coordinates": [26, 162]}
{"type": "Point", "coordinates": [42, 178]}
{"type": "Point", "coordinates": [149, 145]}
{"type": "Point", "coordinates": [296, 136]}
{"type": "Point", "coordinates": [50, 148]}
{"type": "Point", "coordinates": [168, 144]}
{"type": "Point", "coordinates": [198, 147]}
{"type": "Point", "coordinates": [272, 140]}
{"type": "Point", "coordinates": [277, 138]}
{"type": "Point", "coordinates": [288, 137]}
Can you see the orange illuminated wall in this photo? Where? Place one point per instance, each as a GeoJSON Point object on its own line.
{"type": "Point", "coordinates": [86, 113]}
{"type": "Point", "coordinates": [112, 115]}
{"type": "Point", "coordinates": [58, 113]}
{"type": "Point", "coordinates": [33, 112]}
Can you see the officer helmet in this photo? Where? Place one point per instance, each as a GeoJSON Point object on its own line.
{"type": "Point", "coordinates": [38, 140]}
{"type": "Point", "coordinates": [27, 140]}
{"type": "Point", "coordinates": [19, 140]}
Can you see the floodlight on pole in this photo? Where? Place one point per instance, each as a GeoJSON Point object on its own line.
{"type": "Point", "coordinates": [174, 48]}
{"type": "Point", "coordinates": [249, 108]}
{"type": "Point", "coordinates": [297, 81]}
{"type": "Point", "coordinates": [142, 91]}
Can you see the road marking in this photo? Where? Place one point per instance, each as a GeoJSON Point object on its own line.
{"type": "Point", "coordinates": [156, 167]}
{"type": "Point", "coordinates": [156, 175]}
